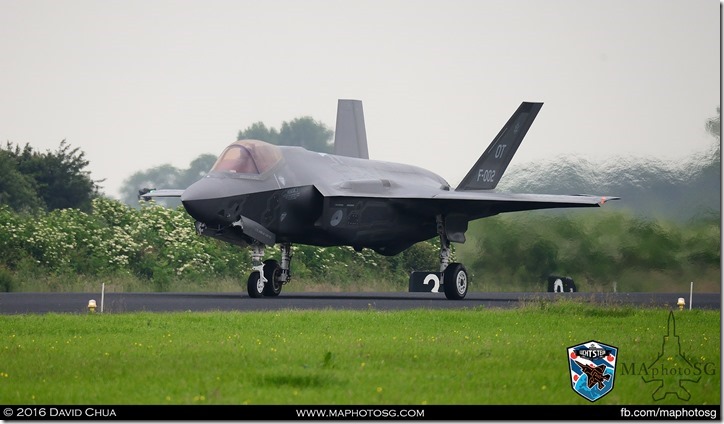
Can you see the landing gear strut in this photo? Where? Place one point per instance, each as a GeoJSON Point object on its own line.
{"type": "Point", "coordinates": [455, 276]}
{"type": "Point", "coordinates": [268, 277]}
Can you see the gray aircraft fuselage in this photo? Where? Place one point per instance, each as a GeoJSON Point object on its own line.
{"type": "Point", "coordinates": [329, 200]}
{"type": "Point", "coordinates": [321, 199]}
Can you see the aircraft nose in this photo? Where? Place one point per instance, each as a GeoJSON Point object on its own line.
{"type": "Point", "coordinates": [197, 191]}
{"type": "Point", "coordinates": [202, 199]}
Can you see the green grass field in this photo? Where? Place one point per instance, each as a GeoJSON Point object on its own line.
{"type": "Point", "coordinates": [293, 357]}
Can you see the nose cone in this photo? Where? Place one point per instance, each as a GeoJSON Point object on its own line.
{"type": "Point", "coordinates": [200, 190]}
{"type": "Point", "coordinates": [202, 200]}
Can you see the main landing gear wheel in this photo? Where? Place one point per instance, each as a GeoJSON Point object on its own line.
{"type": "Point", "coordinates": [273, 286]}
{"type": "Point", "coordinates": [455, 281]}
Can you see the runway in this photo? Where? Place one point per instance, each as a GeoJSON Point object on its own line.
{"type": "Point", "coordinates": [42, 303]}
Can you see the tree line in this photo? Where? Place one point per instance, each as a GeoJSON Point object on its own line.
{"type": "Point", "coordinates": [31, 180]}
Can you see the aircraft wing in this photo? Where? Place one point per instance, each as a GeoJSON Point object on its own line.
{"type": "Point", "coordinates": [478, 204]}
{"type": "Point", "coordinates": [521, 201]}
{"type": "Point", "coordinates": [427, 200]}
{"type": "Point", "coordinates": [148, 194]}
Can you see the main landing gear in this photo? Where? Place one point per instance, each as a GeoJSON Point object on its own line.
{"type": "Point", "coordinates": [268, 277]}
{"type": "Point", "coordinates": [454, 275]}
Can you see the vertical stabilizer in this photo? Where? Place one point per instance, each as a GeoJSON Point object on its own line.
{"type": "Point", "coordinates": [488, 170]}
{"type": "Point", "coordinates": [350, 137]}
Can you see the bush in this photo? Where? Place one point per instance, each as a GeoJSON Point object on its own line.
{"type": "Point", "coordinates": [7, 280]}
{"type": "Point", "coordinates": [156, 247]}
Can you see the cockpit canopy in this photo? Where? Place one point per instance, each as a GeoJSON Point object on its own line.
{"type": "Point", "coordinates": [251, 157]}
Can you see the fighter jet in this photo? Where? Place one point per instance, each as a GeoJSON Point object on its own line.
{"type": "Point", "coordinates": [596, 374]}
{"type": "Point", "coordinates": [259, 194]}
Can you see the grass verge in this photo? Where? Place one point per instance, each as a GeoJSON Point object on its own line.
{"type": "Point", "coordinates": [414, 357]}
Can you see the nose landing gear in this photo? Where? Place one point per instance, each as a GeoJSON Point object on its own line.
{"type": "Point", "coordinates": [269, 276]}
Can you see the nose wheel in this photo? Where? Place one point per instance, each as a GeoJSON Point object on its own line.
{"type": "Point", "coordinates": [269, 276]}
{"type": "Point", "coordinates": [270, 285]}
{"type": "Point", "coordinates": [255, 285]}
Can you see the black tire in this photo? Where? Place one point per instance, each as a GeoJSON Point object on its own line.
{"type": "Point", "coordinates": [272, 272]}
{"type": "Point", "coordinates": [253, 287]}
{"type": "Point", "coordinates": [455, 281]}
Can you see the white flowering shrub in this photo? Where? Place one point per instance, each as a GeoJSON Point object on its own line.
{"type": "Point", "coordinates": [12, 236]}
{"type": "Point", "coordinates": [159, 244]}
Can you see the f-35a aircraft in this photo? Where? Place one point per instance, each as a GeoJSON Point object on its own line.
{"type": "Point", "coordinates": [258, 194]}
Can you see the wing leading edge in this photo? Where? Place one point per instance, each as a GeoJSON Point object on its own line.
{"type": "Point", "coordinates": [476, 204]}
{"type": "Point", "coordinates": [148, 194]}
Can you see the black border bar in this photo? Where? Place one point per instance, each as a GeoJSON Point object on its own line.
{"type": "Point", "coordinates": [359, 412]}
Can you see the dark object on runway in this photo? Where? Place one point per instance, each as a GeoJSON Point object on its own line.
{"type": "Point", "coordinates": [258, 194]}
{"type": "Point", "coordinates": [558, 284]}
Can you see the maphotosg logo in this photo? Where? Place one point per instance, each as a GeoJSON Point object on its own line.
{"type": "Point", "coordinates": [671, 373]}
{"type": "Point", "coordinates": [592, 367]}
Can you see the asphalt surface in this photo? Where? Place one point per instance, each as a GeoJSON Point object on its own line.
{"type": "Point", "coordinates": [40, 303]}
